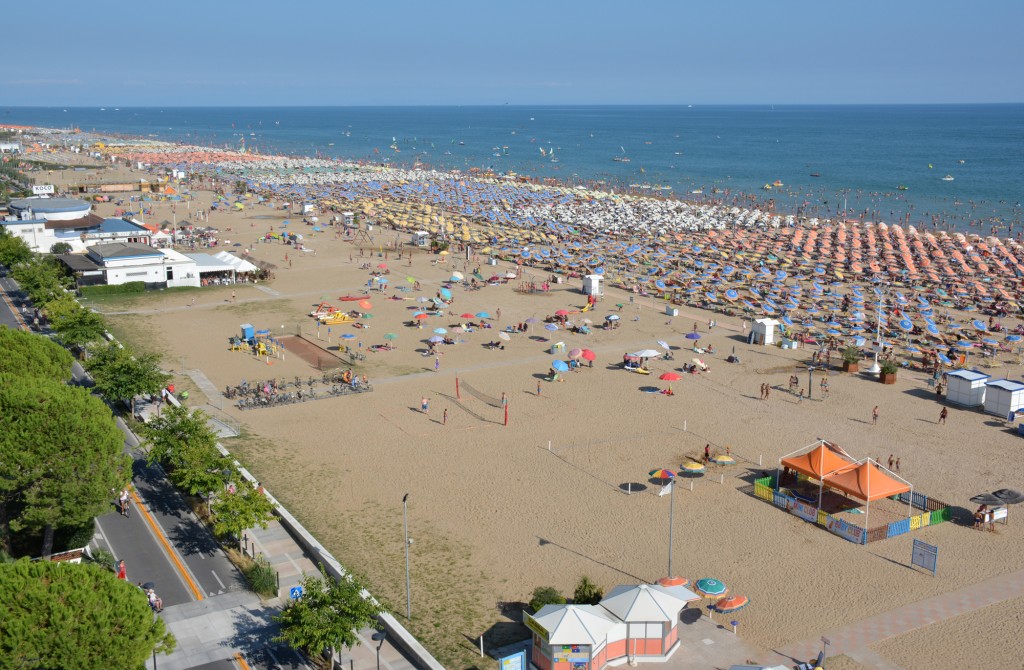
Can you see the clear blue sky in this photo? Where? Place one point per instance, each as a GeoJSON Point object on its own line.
{"type": "Point", "coordinates": [416, 52]}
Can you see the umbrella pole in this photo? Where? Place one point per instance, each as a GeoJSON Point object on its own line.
{"type": "Point", "coordinates": [671, 518]}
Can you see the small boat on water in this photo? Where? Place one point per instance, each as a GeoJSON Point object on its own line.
{"type": "Point", "coordinates": [948, 177]}
{"type": "Point", "coordinates": [901, 187]}
{"type": "Point", "coordinates": [815, 174]}
{"type": "Point", "coordinates": [778, 183]}
{"type": "Point", "coordinates": [766, 187]}
{"type": "Point", "coordinates": [621, 159]}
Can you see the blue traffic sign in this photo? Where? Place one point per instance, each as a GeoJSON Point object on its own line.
{"type": "Point", "coordinates": [295, 592]}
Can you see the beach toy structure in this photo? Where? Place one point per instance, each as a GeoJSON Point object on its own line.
{"type": "Point", "coordinates": [823, 484]}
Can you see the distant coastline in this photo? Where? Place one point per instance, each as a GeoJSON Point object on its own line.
{"type": "Point", "coordinates": [885, 162]}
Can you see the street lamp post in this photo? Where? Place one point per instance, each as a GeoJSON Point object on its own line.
{"type": "Point", "coordinates": [408, 587]}
{"type": "Point", "coordinates": [671, 522]}
{"type": "Point", "coordinates": [875, 369]}
{"type": "Point", "coordinates": [810, 381]}
{"type": "Point", "coordinates": [379, 638]}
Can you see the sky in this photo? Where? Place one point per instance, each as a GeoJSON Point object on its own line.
{"type": "Point", "coordinates": [519, 52]}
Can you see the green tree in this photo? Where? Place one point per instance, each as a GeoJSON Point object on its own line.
{"type": "Point", "coordinates": [234, 513]}
{"type": "Point", "coordinates": [42, 278]}
{"type": "Point", "coordinates": [60, 456]}
{"type": "Point", "coordinates": [121, 376]}
{"type": "Point", "coordinates": [182, 440]}
{"type": "Point", "coordinates": [26, 353]}
{"type": "Point", "coordinates": [79, 327]}
{"type": "Point", "coordinates": [327, 615]}
{"type": "Point", "coordinates": [60, 248]}
{"type": "Point", "coordinates": [13, 250]}
{"type": "Point", "coordinates": [587, 592]}
{"type": "Point", "coordinates": [545, 595]}
{"type": "Point", "coordinates": [75, 616]}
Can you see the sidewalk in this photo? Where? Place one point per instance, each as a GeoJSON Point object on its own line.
{"type": "Point", "coordinates": [857, 636]}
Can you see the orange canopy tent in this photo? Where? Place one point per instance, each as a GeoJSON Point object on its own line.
{"type": "Point", "coordinates": [820, 462]}
{"type": "Point", "coordinates": [868, 482]}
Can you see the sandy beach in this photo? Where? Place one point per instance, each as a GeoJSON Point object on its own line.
{"type": "Point", "coordinates": [499, 510]}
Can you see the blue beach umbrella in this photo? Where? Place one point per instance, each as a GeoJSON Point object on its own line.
{"type": "Point", "coordinates": [560, 366]}
{"type": "Point", "coordinates": [732, 294]}
{"type": "Point", "coordinates": [979, 325]}
{"type": "Point", "coordinates": [440, 331]}
{"type": "Point", "coordinates": [905, 325]}
{"type": "Point", "coordinates": [550, 327]}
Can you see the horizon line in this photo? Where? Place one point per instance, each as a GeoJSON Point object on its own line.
{"type": "Point", "coordinates": [532, 105]}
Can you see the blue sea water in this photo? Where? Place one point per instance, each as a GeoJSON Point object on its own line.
{"type": "Point", "coordinates": [862, 154]}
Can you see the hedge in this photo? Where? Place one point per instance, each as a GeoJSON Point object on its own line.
{"type": "Point", "coordinates": [117, 289]}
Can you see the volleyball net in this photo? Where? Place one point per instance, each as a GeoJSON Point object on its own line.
{"type": "Point", "coordinates": [501, 403]}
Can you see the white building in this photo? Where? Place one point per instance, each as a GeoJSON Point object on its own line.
{"type": "Point", "coordinates": [121, 263]}
{"type": "Point", "coordinates": [43, 222]}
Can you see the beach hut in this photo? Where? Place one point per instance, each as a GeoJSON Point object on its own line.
{"type": "Point", "coordinates": [651, 616]}
{"type": "Point", "coordinates": [592, 285]}
{"type": "Point", "coordinates": [631, 623]}
{"type": "Point", "coordinates": [567, 637]}
{"type": "Point", "coordinates": [966, 387]}
{"type": "Point", "coordinates": [1003, 396]}
{"type": "Point", "coordinates": [763, 332]}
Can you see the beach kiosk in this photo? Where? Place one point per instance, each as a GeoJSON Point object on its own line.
{"type": "Point", "coordinates": [592, 285]}
{"type": "Point", "coordinates": [420, 238]}
{"type": "Point", "coordinates": [1003, 397]}
{"type": "Point", "coordinates": [632, 623]}
{"type": "Point", "coordinates": [966, 387]}
{"type": "Point", "coordinates": [763, 332]}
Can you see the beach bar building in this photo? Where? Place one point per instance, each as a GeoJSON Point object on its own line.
{"type": "Point", "coordinates": [1003, 397]}
{"type": "Point", "coordinates": [632, 623]}
{"type": "Point", "coordinates": [966, 387]}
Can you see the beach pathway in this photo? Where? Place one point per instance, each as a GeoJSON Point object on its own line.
{"type": "Point", "coordinates": [857, 636]}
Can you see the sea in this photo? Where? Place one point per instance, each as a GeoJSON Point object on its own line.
{"type": "Point", "coordinates": [864, 162]}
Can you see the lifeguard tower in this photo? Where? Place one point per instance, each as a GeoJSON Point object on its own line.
{"type": "Point", "coordinates": [592, 285]}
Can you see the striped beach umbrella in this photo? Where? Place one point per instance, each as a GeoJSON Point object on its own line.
{"type": "Point", "coordinates": [731, 604]}
{"type": "Point", "coordinates": [710, 588]}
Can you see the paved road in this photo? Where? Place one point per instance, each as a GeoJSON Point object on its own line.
{"type": "Point", "coordinates": [8, 313]}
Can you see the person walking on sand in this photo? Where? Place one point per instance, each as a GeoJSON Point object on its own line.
{"type": "Point", "coordinates": [444, 417]}
{"type": "Point", "coordinates": [232, 296]}
{"type": "Point", "coordinates": [707, 453]}
{"type": "Point", "coordinates": [437, 363]}
{"type": "Point", "coordinates": [897, 465]}
{"type": "Point", "coordinates": [424, 405]}
{"type": "Point", "coordinates": [874, 416]}
{"type": "Point", "coordinates": [538, 388]}
{"type": "Point", "coordinates": [943, 414]}
{"type": "Point", "coordinates": [891, 461]}
{"type": "Point", "coordinates": [801, 398]}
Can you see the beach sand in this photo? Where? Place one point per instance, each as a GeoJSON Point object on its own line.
{"type": "Point", "coordinates": [497, 510]}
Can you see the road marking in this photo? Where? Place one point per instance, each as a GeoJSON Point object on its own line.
{"type": "Point", "coordinates": [218, 580]}
{"type": "Point", "coordinates": [241, 661]}
{"type": "Point", "coordinates": [167, 545]}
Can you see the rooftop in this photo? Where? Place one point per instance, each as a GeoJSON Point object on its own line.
{"type": "Point", "coordinates": [116, 250]}
{"type": "Point", "coordinates": [49, 205]}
